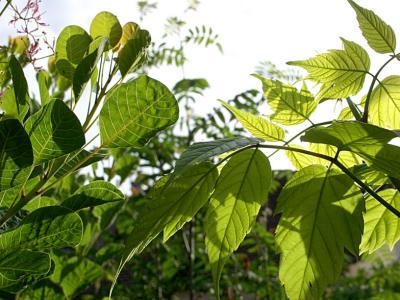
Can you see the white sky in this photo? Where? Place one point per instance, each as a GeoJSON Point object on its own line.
{"type": "Point", "coordinates": [250, 31]}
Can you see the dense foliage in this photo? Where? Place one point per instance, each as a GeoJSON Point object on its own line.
{"type": "Point", "coordinates": [63, 230]}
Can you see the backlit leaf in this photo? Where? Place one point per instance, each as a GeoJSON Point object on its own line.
{"type": "Point", "coordinates": [256, 125]}
{"type": "Point", "coordinates": [341, 72]}
{"type": "Point", "coordinates": [135, 111]}
{"type": "Point", "coordinates": [54, 131]}
{"type": "Point", "coordinates": [240, 191]}
{"type": "Point", "coordinates": [20, 87]}
{"type": "Point", "coordinates": [105, 24]}
{"type": "Point", "coordinates": [379, 35]}
{"type": "Point", "coordinates": [321, 215]}
{"type": "Point", "coordinates": [380, 225]}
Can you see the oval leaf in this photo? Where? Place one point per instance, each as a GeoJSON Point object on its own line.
{"type": "Point", "coordinates": [105, 24]}
{"type": "Point", "coordinates": [135, 111]}
{"type": "Point", "coordinates": [241, 190]}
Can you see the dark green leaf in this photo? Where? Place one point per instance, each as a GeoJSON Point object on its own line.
{"type": "Point", "coordinates": [20, 87]}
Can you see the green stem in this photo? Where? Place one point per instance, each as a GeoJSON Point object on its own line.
{"type": "Point", "coordinates": [371, 87]}
{"type": "Point", "coordinates": [5, 7]}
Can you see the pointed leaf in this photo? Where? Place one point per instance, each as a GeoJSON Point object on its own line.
{"type": "Point", "coordinates": [241, 190]}
{"type": "Point", "coordinates": [341, 72]}
{"type": "Point", "coordinates": [380, 225]}
{"type": "Point", "coordinates": [71, 46]}
{"type": "Point", "coordinates": [16, 156]}
{"type": "Point", "coordinates": [17, 265]}
{"type": "Point", "coordinates": [198, 152]}
{"type": "Point", "coordinates": [47, 227]}
{"type": "Point", "coordinates": [257, 126]}
{"type": "Point", "coordinates": [44, 81]}
{"type": "Point", "coordinates": [290, 106]}
{"type": "Point", "coordinates": [93, 194]}
{"type": "Point", "coordinates": [384, 105]}
{"type": "Point", "coordinates": [54, 131]}
{"type": "Point", "coordinates": [135, 111]}
{"type": "Point", "coordinates": [20, 87]}
{"type": "Point", "coordinates": [321, 215]}
{"type": "Point", "coordinates": [105, 24]}
{"type": "Point", "coordinates": [379, 35]}
{"type": "Point", "coordinates": [368, 141]}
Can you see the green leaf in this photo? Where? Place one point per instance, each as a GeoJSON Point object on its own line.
{"type": "Point", "coordinates": [105, 24]}
{"type": "Point", "coordinates": [20, 87]}
{"type": "Point", "coordinates": [86, 68]}
{"type": "Point", "coordinates": [289, 105]}
{"type": "Point", "coordinates": [256, 125]}
{"type": "Point", "coordinates": [54, 131]}
{"type": "Point", "coordinates": [241, 190]}
{"type": "Point", "coordinates": [321, 215]}
{"type": "Point", "coordinates": [341, 72]}
{"type": "Point", "coordinates": [203, 151]}
{"type": "Point", "coordinates": [133, 54]}
{"type": "Point", "coordinates": [71, 46]}
{"type": "Point", "coordinates": [8, 104]}
{"type": "Point", "coordinates": [8, 196]}
{"type": "Point", "coordinates": [384, 105]}
{"type": "Point", "coordinates": [136, 111]}
{"type": "Point", "coordinates": [16, 265]}
{"type": "Point", "coordinates": [380, 225]}
{"type": "Point", "coordinates": [47, 227]}
{"type": "Point", "coordinates": [16, 156]}
{"type": "Point", "coordinates": [93, 194]}
{"type": "Point", "coordinates": [44, 80]}
{"type": "Point", "coordinates": [44, 289]}
{"type": "Point", "coordinates": [171, 207]}
{"type": "Point", "coordinates": [40, 202]}
{"type": "Point", "coordinates": [379, 35]}
{"type": "Point", "coordinates": [368, 141]}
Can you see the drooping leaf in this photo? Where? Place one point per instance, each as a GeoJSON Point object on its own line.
{"type": "Point", "coordinates": [384, 105]}
{"type": "Point", "coordinates": [20, 87]}
{"type": "Point", "coordinates": [16, 156]}
{"type": "Point", "coordinates": [47, 227]}
{"type": "Point", "coordinates": [379, 35]}
{"type": "Point", "coordinates": [133, 54]}
{"type": "Point", "coordinates": [368, 141]}
{"type": "Point", "coordinates": [257, 126]}
{"type": "Point", "coordinates": [135, 111]}
{"type": "Point", "coordinates": [198, 152]}
{"type": "Point", "coordinates": [93, 194]}
{"type": "Point", "coordinates": [289, 105]}
{"type": "Point", "coordinates": [105, 24]}
{"type": "Point", "coordinates": [86, 67]}
{"type": "Point", "coordinates": [16, 265]}
{"type": "Point", "coordinates": [71, 46]}
{"type": "Point", "coordinates": [54, 131]}
{"type": "Point", "coordinates": [341, 72]}
{"type": "Point", "coordinates": [321, 215]}
{"type": "Point", "coordinates": [171, 207]}
{"type": "Point", "coordinates": [380, 225]}
{"type": "Point", "coordinates": [241, 190]}
{"type": "Point", "coordinates": [44, 80]}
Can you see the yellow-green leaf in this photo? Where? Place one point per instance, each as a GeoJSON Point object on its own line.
{"type": "Point", "coordinates": [379, 35]}
{"type": "Point", "coordinates": [105, 24]}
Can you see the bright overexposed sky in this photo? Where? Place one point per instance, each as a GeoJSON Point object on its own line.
{"type": "Point", "coordinates": [250, 31]}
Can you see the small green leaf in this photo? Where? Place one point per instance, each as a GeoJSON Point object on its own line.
{"type": "Point", "coordinates": [321, 215]}
{"type": "Point", "coordinates": [257, 126]}
{"type": "Point", "coordinates": [241, 190]}
{"type": "Point", "coordinates": [86, 67]}
{"type": "Point", "coordinates": [203, 151]}
{"type": "Point", "coordinates": [47, 227]}
{"type": "Point", "coordinates": [16, 156]}
{"type": "Point", "coordinates": [368, 141]}
{"type": "Point", "coordinates": [341, 72]}
{"type": "Point", "coordinates": [379, 35]}
{"type": "Point", "coordinates": [136, 111]}
{"type": "Point", "coordinates": [289, 105]}
{"type": "Point", "coordinates": [54, 131]}
{"type": "Point", "coordinates": [44, 80]}
{"type": "Point", "coordinates": [380, 225]}
{"type": "Point", "coordinates": [133, 54]}
{"type": "Point", "coordinates": [105, 24]}
{"type": "Point", "coordinates": [16, 265]}
{"type": "Point", "coordinates": [94, 194]}
{"type": "Point", "coordinates": [20, 87]}
{"type": "Point", "coordinates": [384, 105]}
{"type": "Point", "coordinates": [71, 46]}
